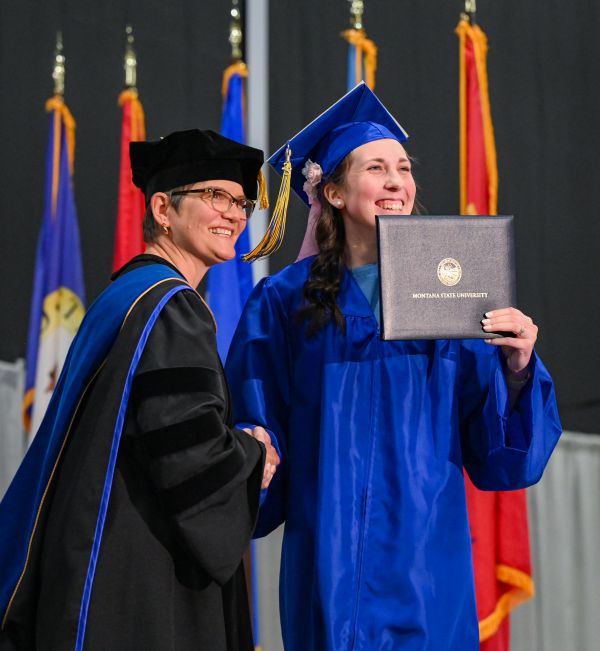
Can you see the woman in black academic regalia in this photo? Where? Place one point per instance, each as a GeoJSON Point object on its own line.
{"type": "Point", "coordinates": [139, 516]}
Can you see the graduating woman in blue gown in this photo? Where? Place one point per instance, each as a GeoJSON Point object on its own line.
{"type": "Point", "coordinates": [373, 435]}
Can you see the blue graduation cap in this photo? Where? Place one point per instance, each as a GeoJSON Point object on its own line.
{"type": "Point", "coordinates": [357, 118]}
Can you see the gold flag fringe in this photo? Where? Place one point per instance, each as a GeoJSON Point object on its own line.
{"type": "Point", "coordinates": [366, 48]}
{"type": "Point", "coordinates": [466, 31]}
{"type": "Point", "coordinates": [138, 119]}
{"type": "Point", "coordinates": [57, 105]}
{"type": "Point", "coordinates": [236, 68]}
{"type": "Point", "coordinates": [263, 197]}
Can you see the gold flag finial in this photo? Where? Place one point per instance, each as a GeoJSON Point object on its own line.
{"type": "Point", "coordinates": [235, 31]}
{"type": "Point", "coordinates": [470, 11]}
{"type": "Point", "coordinates": [130, 60]}
{"type": "Point", "coordinates": [357, 9]}
{"type": "Point", "coordinates": [58, 72]}
{"type": "Point", "coordinates": [365, 50]}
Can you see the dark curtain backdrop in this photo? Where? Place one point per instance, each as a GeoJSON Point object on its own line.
{"type": "Point", "coordinates": [544, 68]}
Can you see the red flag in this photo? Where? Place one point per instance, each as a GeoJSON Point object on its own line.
{"type": "Point", "coordinates": [478, 169]}
{"type": "Point", "coordinates": [129, 241]}
{"type": "Point", "coordinates": [499, 531]}
{"type": "Point", "coordinates": [501, 559]}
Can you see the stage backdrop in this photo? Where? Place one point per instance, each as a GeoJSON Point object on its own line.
{"type": "Point", "coordinates": [544, 64]}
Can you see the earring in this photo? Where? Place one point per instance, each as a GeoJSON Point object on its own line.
{"type": "Point", "coordinates": [165, 229]}
{"type": "Point", "coordinates": [338, 202]}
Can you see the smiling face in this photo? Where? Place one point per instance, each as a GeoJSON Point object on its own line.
{"type": "Point", "coordinates": [378, 181]}
{"type": "Point", "coordinates": [202, 232]}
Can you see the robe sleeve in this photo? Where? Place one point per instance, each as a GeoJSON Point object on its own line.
{"type": "Point", "coordinates": [206, 474]}
{"type": "Point", "coordinates": [257, 368]}
{"type": "Point", "coordinates": [504, 449]}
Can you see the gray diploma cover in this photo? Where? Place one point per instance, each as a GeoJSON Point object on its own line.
{"type": "Point", "coordinates": [438, 275]}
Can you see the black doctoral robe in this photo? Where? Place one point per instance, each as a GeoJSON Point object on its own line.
{"type": "Point", "coordinates": [182, 506]}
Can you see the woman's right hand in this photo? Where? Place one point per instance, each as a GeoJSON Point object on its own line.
{"type": "Point", "coordinates": [272, 460]}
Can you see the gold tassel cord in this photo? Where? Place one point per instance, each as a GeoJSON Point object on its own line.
{"type": "Point", "coordinates": [240, 68]}
{"type": "Point", "coordinates": [467, 32]}
{"type": "Point", "coordinates": [364, 47]}
{"type": "Point", "coordinates": [127, 95]}
{"type": "Point", "coordinates": [263, 197]}
{"type": "Point", "coordinates": [273, 238]}
{"type": "Point", "coordinates": [236, 68]}
{"type": "Point", "coordinates": [61, 115]}
{"type": "Point", "coordinates": [480, 47]}
{"type": "Point", "coordinates": [56, 103]}
{"type": "Point", "coordinates": [138, 120]}
{"type": "Point", "coordinates": [521, 589]}
{"type": "Point", "coordinates": [461, 31]}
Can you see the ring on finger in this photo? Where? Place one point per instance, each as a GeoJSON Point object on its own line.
{"type": "Point", "coordinates": [521, 331]}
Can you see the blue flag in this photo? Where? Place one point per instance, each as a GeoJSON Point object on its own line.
{"type": "Point", "coordinates": [362, 58]}
{"type": "Point", "coordinates": [230, 283]}
{"type": "Point", "coordinates": [58, 292]}
{"type": "Point", "coordinates": [352, 73]}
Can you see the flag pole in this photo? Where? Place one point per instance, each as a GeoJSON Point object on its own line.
{"type": "Point", "coordinates": [498, 520]}
{"type": "Point", "coordinates": [57, 106]}
{"type": "Point", "coordinates": [128, 240]}
{"type": "Point", "coordinates": [236, 34]}
{"type": "Point", "coordinates": [130, 60]}
{"type": "Point", "coordinates": [470, 11]}
{"type": "Point", "coordinates": [362, 51]}
{"type": "Point", "coordinates": [357, 8]}
{"type": "Point", "coordinates": [58, 72]}
{"type": "Point", "coordinates": [58, 292]}
{"type": "Point", "coordinates": [237, 65]}
{"type": "Point", "coordinates": [230, 283]}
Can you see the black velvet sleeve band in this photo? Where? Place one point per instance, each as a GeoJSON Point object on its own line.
{"type": "Point", "coordinates": [206, 474]}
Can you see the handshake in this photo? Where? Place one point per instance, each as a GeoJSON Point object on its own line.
{"type": "Point", "coordinates": [272, 459]}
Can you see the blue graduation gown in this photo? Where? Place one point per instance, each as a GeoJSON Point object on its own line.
{"type": "Point", "coordinates": [373, 436]}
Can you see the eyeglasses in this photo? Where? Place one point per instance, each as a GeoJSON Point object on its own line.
{"type": "Point", "coordinates": [221, 200]}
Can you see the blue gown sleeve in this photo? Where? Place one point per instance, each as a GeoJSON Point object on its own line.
{"type": "Point", "coordinates": [504, 449]}
{"type": "Point", "coordinates": [257, 369]}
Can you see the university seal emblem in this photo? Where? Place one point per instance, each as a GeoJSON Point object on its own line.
{"type": "Point", "coordinates": [449, 272]}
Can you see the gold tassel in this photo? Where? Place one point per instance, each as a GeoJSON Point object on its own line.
{"type": "Point", "coordinates": [138, 120]}
{"type": "Point", "coordinates": [366, 48]}
{"type": "Point", "coordinates": [61, 114]}
{"type": "Point", "coordinates": [273, 238]}
{"type": "Point", "coordinates": [236, 68]}
{"type": "Point", "coordinates": [263, 196]}
{"type": "Point", "coordinates": [467, 32]}
{"type": "Point", "coordinates": [56, 103]}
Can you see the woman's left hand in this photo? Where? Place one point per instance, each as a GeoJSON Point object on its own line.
{"type": "Point", "coordinates": [517, 350]}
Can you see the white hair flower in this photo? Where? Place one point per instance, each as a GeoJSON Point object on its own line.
{"type": "Point", "coordinates": [313, 174]}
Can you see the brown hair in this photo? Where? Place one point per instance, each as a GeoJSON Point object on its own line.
{"type": "Point", "coordinates": [327, 271]}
